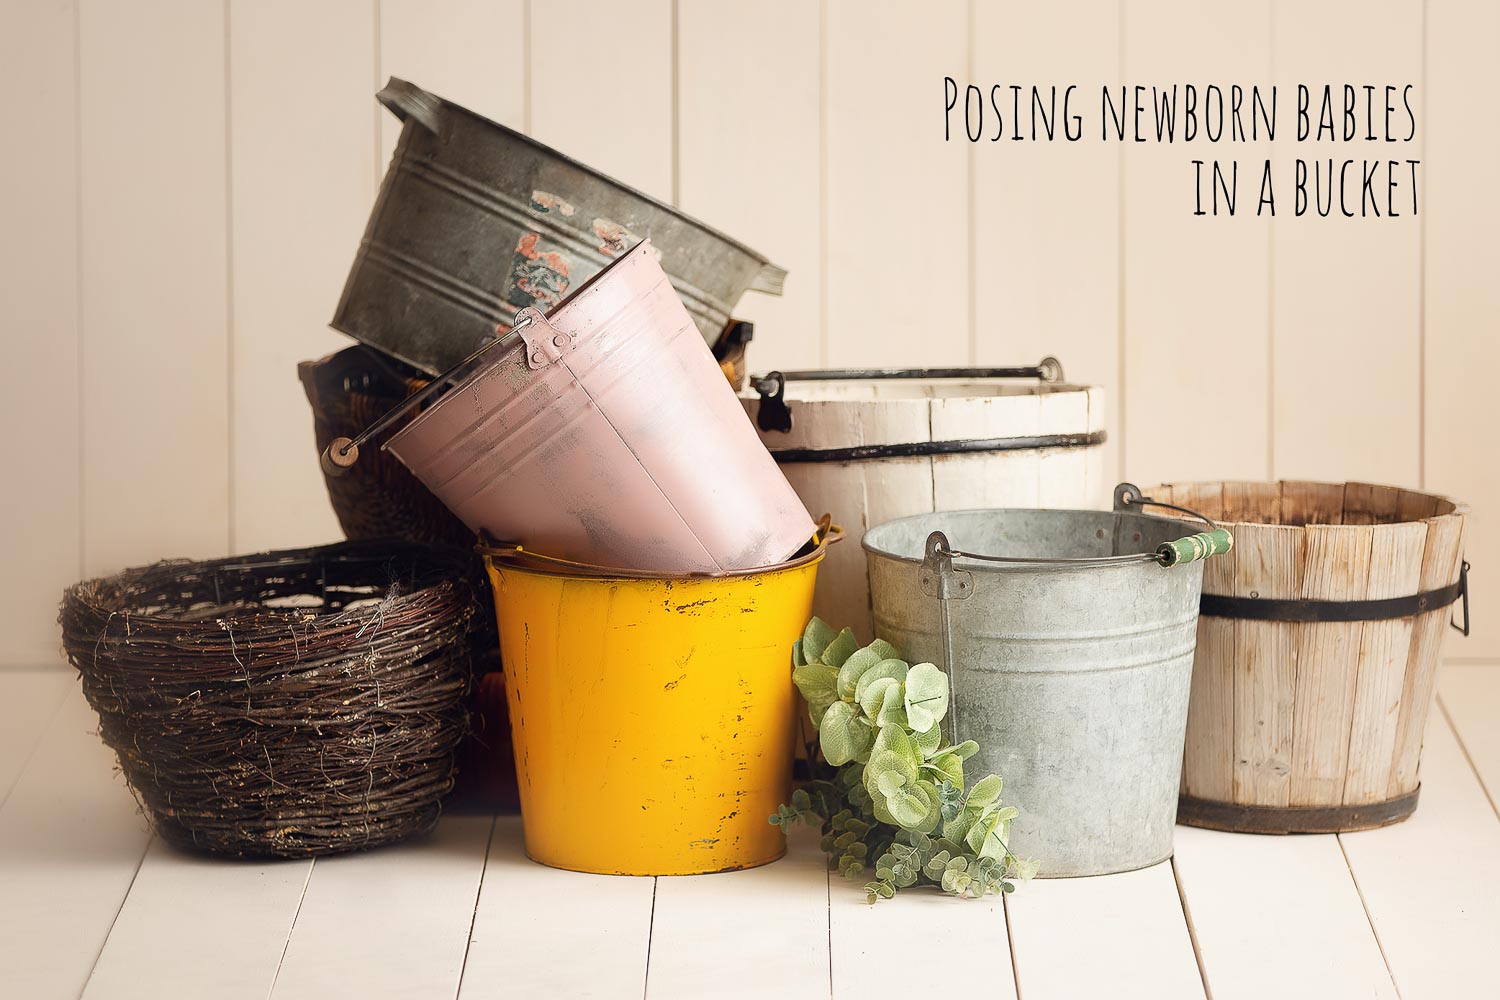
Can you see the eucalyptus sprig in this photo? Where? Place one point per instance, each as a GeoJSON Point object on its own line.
{"type": "Point", "coordinates": [893, 794]}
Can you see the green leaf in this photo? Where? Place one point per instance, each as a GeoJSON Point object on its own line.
{"type": "Point", "coordinates": [815, 639]}
{"type": "Point", "coordinates": [840, 649]}
{"type": "Point", "coordinates": [946, 767]}
{"type": "Point", "coordinates": [884, 763]}
{"type": "Point", "coordinates": [926, 695]}
{"type": "Point", "coordinates": [798, 660]}
{"type": "Point", "coordinates": [872, 697]}
{"type": "Point", "coordinates": [885, 650]}
{"type": "Point", "coordinates": [853, 669]}
{"type": "Point", "coordinates": [894, 669]}
{"type": "Point", "coordinates": [985, 791]}
{"type": "Point", "coordinates": [895, 739]}
{"type": "Point", "coordinates": [889, 783]}
{"type": "Point", "coordinates": [842, 735]}
{"type": "Point", "coordinates": [966, 749]}
{"type": "Point", "coordinates": [819, 685]}
{"type": "Point", "coordinates": [892, 713]}
{"type": "Point", "coordinates": [928, 741]}
{"type": "Point", "coordinates": [1026, 870]}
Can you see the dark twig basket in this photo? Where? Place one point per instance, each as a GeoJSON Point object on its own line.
{"type": "Point", "coordinates": [288, 703]}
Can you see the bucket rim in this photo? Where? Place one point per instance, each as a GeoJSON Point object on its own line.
{"type": "Point", "coordinates": [1037, 567]}
{"type": "Point", "coordinates": [1460, 508]}
{"type": "Point", "coordinates": [514, 556]}
{"type": "Point", "coordinates": [673, 211]}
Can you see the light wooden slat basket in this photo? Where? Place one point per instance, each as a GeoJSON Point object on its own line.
{"type": "Point", "coordinates": [1318, 650]}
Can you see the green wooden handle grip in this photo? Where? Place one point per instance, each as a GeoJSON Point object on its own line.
{"type": "Point", "coordinates": [1195, 547]}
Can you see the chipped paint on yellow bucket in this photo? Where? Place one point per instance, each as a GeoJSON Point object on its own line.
{"type": "Point", "coordinates": [652, 717]}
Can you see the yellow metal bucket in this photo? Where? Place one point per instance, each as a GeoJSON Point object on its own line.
{"type": "Point", "coordinates": [652, 717]}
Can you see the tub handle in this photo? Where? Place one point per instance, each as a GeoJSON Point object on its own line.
{"type": "Point", "coordinates": [408, 101]}
{"type": "Point", "coordinates": [775, 415]}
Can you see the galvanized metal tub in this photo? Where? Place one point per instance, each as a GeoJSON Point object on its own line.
{"type": "Point", "coordinates": [874, 445]}
{"type": "Point", "coordinates": [1072, 677]}
{"type": "Point", "coordinates": [606, 434]}
{"type": "Point", "coordinates": [475, 221]}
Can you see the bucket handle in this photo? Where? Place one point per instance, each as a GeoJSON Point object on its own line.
{"type": "Point", "coordinates": [341, 454]}
{"type": "Point", "coordinates": [407, 101]}
{"type": "Point", "coordinates": [775, 415]}
{"type": "Point", "coordinates": [1189, 548]}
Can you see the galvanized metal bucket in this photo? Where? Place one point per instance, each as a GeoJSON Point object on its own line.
{"type": "Point", "coordinates": [475, 221]}
{"type": "Point", "coordinates": [606, 434]}
{"type": "Point", "coordinates": [1068, 638]}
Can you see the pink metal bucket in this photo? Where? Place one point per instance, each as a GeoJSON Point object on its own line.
{"type": "Point", "coordinates": [608, 434]}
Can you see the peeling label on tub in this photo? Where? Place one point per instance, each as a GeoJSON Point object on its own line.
{"type": "Point", "coordinates": [614, 239]}
{"type": "Point", "coordinates": [538, 277]}
{"type": "Point", "coordinates": [546, 201]}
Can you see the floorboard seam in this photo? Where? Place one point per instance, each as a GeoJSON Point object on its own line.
{"type": "Point", "coordinates": [650, 933]}
{"type": "Point", "coordinates": [1369, 918]}
{"type": "Point", "coordinates": [118, 910]}
{"type": "Point", "coordinates": [281, 961]}
{"type": "Point", "coordinates": [1464, 749]}
{"type": "Point", "coordinates": [489, 847]}
{"type": "Point", "coordinates": [1010, 941]}
{"type": "Point", "coordinates": [62, 699]}
{"type": "Point", "coordinates": [1187, 918]}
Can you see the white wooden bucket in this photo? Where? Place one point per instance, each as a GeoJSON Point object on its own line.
{"type": "Point", "coordinates": [871, 446]}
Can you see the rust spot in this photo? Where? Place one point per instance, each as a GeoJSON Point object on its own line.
{"type": "Point", "coordinates": [706, 843]}
{"type": "Point", "coordinates": [672, 684]}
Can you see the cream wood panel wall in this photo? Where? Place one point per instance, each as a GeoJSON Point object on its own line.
{"type": "Point", "coordinates": [196, 176]}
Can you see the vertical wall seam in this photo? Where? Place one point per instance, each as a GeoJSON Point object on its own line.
{"type": "Point", "coordinates": [1120, 289]}
{"type": "Point", "coordinates": [971, 179]}
{"type": "Point", "coordinates": [231, 509]}
{"type": "Point", "coordinates": [78, 258]}
{"type": "Point", "coordinates": [676, 105]}
{"type": "Point", "coordinates": [1271, 227]}
{"type": "Point", "coordinates": [823, 311]}
{"type": "Point", "coordinates": [526, 66]}
{"type": "Point", "coordinates": [378, 110]}
{"type": "Point", "coordinates": [1422, 276]}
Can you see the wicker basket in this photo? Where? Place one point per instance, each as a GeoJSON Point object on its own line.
{"type": "Point", "coordinates": [285, 704]}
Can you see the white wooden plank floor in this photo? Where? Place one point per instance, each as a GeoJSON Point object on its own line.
{"type": "Point", "coordinates": [91, 905]}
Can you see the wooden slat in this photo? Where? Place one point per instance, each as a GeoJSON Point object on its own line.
{"type": "Point", "coordinates": [862, 939]}
{"type": "Point", "coordinates": [1208, 767]}
{"type": "Point", "coordinates": [1039, 288]}
{"type": "Point", "coordinates": [1384, 655]}
{"type": "Point", "coordinates": [393, 922]}
{"type": "Point", "coordinates": [1336, 568]}
{"type": "Point", "coordinates": [1312, 503]}
{"type": "Point", "coordinates": [1179, 271]}
{"type": "Point", "coordinates": [199, 926]}
{"type": "Point", "coordinates": [28, 701]}
{"type": "Point", "coordinates": [1278, 916]}
{"type": "Point", "coordinates": [302, 143]}
{"type": "Point", "coordinates": [1007, 479]}
{"type": "Point", "coordinates": [700, 947]}
{"type": "Point", "coordinates": [1462, 214]}
{"type": "Point", "coordinates": [601, 88]}
{"type": "Point", "coordinates": [742, 131]}
{"type": "Point", "coordinates": [1429, 882]}
{"type": "Point", "coordinates": [897, 203]}
{"type": "Point", "coordinates": [1119, 935]}
{"type": "Point", "coordinates": [542, 932]}
{"type": "Point", "coordinates": [1268, 563]}
{"type": "Point", "coordinates": [471, 52]}
{"type": "Point", "coordinates": [70, 843]}
{"type": "Point", "coordinates": [1440, 567]}
{"type": "Point", "coordinates": [39, 286]}
{"type": "Point", "coordinates": [153, 267]}
{"type": "Point", "coordinates": [1348, 348]}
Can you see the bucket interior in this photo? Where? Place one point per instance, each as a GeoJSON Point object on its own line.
{"type": "Point", "coordinates": [1298, 503]}
{"type": "Point", "coordinates": [1025, 534]}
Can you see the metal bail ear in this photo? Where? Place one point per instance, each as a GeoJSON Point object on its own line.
{"type": "Point", "coordinates": [939, 579]}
